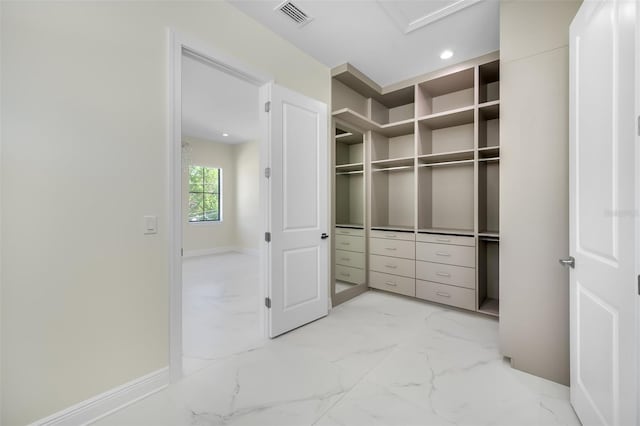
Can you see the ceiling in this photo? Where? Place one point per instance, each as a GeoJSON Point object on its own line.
{"type": "Point", "coordinates": [388, 40]}
{"type": "Point", "coordinates": [214, 102]}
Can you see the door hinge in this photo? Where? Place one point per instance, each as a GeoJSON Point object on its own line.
{"type": "Point", "coordinates": [639, 125]}
{"type": "Point", "coordinates": [267, 106]}
{"type": "Point", "coordinates": [267, 237]}
{"type": "Point", "coordinates": [267, 302]}
{"type": "Point", "coordinates": [181, 252]}
{"type": "Point", "coordinates": [639, 284]}
{"type": "Point", "coordinates": [267, 172]}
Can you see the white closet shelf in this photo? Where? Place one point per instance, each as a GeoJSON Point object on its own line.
{"type": "Point", "coordinates": [399, 128]}
{"type": "Point", "coordinates": [440, 157]}
{"type": "Point", "coordinates": [392, 162]}
{"type": "Point", "coordinates": [490, 307]}
{"type": "Point", "coordinates": [353, 167]}
{"type": "Point", "coordinates": [349, 138]}
{"type": "Point", "coordinates": [448, 163]}
{"type": "Point", "coordinates": [452, 118]}
{"type": "Point", "coordinates": [447, 231]}
{"type": "Point", "coordinates": [489, 110]}
{"type": "Point", "coordinates": [350, 225]}
{"type": "Point", "coordinates": [489, 235]}
{"type": "Point", "coordinates": [489, 151]}
{"type": "Point", "coordinates": [400, 228]}
{"type": "Point", "coordinates": [490, 159]}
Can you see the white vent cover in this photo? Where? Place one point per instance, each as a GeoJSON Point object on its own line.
{"type": "Point", "coordinates": [294, 13]}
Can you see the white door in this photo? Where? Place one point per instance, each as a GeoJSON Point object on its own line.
{"type": "Point", "coordinates": [298, 268]}
{"type": "Point", "coordinates": [603, 286]}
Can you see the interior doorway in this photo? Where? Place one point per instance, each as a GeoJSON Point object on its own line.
{"type": "Point", "coordinates": [220, 157]}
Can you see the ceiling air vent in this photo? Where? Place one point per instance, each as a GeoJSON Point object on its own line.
{"type": "Point", "coordinates": [294, 13]}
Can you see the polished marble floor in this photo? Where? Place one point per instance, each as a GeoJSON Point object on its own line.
{"type": "Point", "coordinates": [379, 359]}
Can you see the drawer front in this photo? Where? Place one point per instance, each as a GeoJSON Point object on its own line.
{"type": "Point", "coordinates": [446, 294]}
{"type": "Point", "coordinates": [350, 275]}
{"type": "Point", "coordinates": [350, 231]}
{"type": "Point", "coordinates": [393, 265]}
{"type": "Point", "coordinates": [394, 283]}
{"type": "Point", "coordinates": [447, 239]}
{"type": "Point", "coordinates": [444, 253]}
{"type": "Point", "coordinates": [392, 235]}
{"type": "Point", "coordinates": [393, 248]}
{"type": "Point", "coordinates": [446, 274]}
{"type": "Point", "coordinates": [349, 243]}
{"type": "Point", "coordinates": [349, 258]}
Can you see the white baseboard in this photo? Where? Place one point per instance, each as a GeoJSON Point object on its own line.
{"type": "Point", "coordinates": [249, 251]}
{"type": "Point", "coordinates": [108, 402]}
{"type": "Point", "coordinates": [207, 252]}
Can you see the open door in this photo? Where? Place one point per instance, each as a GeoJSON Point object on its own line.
{"type": "Point", "coordinates": [297, 266]}
{"type": "Point", "coordinates": [603, 191]}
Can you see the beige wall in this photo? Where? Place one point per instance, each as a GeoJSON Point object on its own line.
{"type": "Point", "coordinates": [534, 185]}
{"type": "Point", "coordinates": [247, 160]}
{"type": "Point", "coordinates": [84, 158]}
{"type": "Point", "coordinates": [199, 238]}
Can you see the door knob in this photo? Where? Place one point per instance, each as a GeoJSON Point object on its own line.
{"type": "Point", "coordinates": [324, 236]}
{"type": "Point", "coordinates": [569, 261]}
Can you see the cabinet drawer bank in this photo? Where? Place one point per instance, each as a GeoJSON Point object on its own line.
{"type": "Point", "coordinates": [349, 258]}
{"type": "Point", "coordinates": [350, 243]}
{"type": "Point", "coordinates": [445, 253]}
{"type": "Point", "coordinates": [350, 231]}
{"type": "Point", "coordinates": [351, 275]}
{"type": "Point", "coordinates": [446, 239]}
{"type": "Point", "coordinates": [393, 235]}
{"type": "Point", "coordinates": [460, 276]}
{"type": "Point", "coordinates": [393, 283]}
{"type": "Point", "coordinates": [446, 294]}
{"type": "Point", "coordinates": [393, 265]}
{"type": "Point", "coordinates": [393, 248]}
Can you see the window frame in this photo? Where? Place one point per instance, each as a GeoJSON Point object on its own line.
{"type": "Point", "coordinates": [203, 193]}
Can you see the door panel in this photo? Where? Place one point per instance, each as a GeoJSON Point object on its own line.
{"type": "Point", "coordinates": [603, 283]}
{"type": "Point", "coordinates": [298, 268]}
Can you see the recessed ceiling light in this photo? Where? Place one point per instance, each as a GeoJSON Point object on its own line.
{"type": "Point", "coordinates": [225, 134]}
{"type": "Point", "coordinates": [446, 54]}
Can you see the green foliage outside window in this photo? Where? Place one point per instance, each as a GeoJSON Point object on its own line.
{"type": "Point", "coordinates": [204, 194]}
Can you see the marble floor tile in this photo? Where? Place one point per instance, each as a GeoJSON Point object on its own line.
{"type": "Point", "coordinates": [379, 359]}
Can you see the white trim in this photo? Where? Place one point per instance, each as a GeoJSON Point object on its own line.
{"type": "Point", "coordinates": [249, 251]}
{"type": "Point", "coordinates": [177, 44]}
{"type": "Point", "coordinates": [109, 402]}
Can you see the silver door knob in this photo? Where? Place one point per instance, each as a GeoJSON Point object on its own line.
{"type": "Point", "coordinates": [569, 261]}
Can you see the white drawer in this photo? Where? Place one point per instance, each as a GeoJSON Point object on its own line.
{"type": "Point", "coordinates": [350, 231]}
{"type": "Point", "coordinates": [447, 239]}
{"type": "Point", "coordinates": [444, 253]}
{"type": "Point", "coordinates": [393, 235]}
{"type": "Point", "coordinates": [349, 243]}
{"type": "Point", "coordinates": [351, 275]}
{"type": "Point", "coordinates": [394, 283]}
{"type": "Point", "coordinates": [394, 248]}
{"type": "Point", "coordinates": [349, 258]}
{"type": "Point", "coordinates": [446, 274]}
{"type": "Point", "coordinates": [446, 294]}
{"type": "Point", "coordinates": [393, 265]}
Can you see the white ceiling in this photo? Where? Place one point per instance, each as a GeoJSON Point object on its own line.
{"type": "Point", "coordinates": [214, 102]}
{"type": "Point", "coordinates": [388, 40]}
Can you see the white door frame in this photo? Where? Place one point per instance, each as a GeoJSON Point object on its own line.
{"type": "Point", "coordinates": [177, 44]}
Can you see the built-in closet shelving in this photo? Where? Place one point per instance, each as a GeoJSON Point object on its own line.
{"type": "Point", "coordinates": [426, 155]}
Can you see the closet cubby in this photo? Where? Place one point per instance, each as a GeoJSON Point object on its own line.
{"type": "Point", "coordinates": [349, 149]}
{"type": "Point", "coordinates": [349, 198]}
{"type": "Point", "coordinates": [445, 144]}
{"type": "Point", "coordinates": [488, 276]}
{"type": "Point", "coordinates": [446, 93]}
{"type": "Point", "coordinates": [488, 129]}
{"type": "Point", "coordinates": [489, 84]}
{"type": "Point", "coordinates": [489, 197]}
{"type": "Point", "coordinates": [392, 198]}
{"type": "Point", "coordinates": [445, 197]}
{"type": "Point", "coordinates": [345, 97]}
{"type": "Point", "coordinates": [392, 151]}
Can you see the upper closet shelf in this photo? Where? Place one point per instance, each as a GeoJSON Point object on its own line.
{"type": "Point", "coordinates": [393, 162]}
{"type": "Point", "coordinates": [353, 167]}
{"type": "Point", "coordinates": [356, 80]}
{"type": "Point", "coordinates": [452, 118]}
{"type": "Point", "coordinates": [446, 157]}
{"type": "Point", "coordinates": [349, 138]}
{"type": "Point", "coordinates": [404, 127]}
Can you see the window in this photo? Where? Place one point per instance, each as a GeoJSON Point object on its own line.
{"type": "Point", "coordinates": [204, 194]}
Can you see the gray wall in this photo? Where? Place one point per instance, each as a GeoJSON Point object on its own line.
{"type": "Point", "coordinates": [534, 185]}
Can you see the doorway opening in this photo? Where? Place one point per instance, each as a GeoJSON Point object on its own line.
{"type": "Point", "coordinates": [220, 221]}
